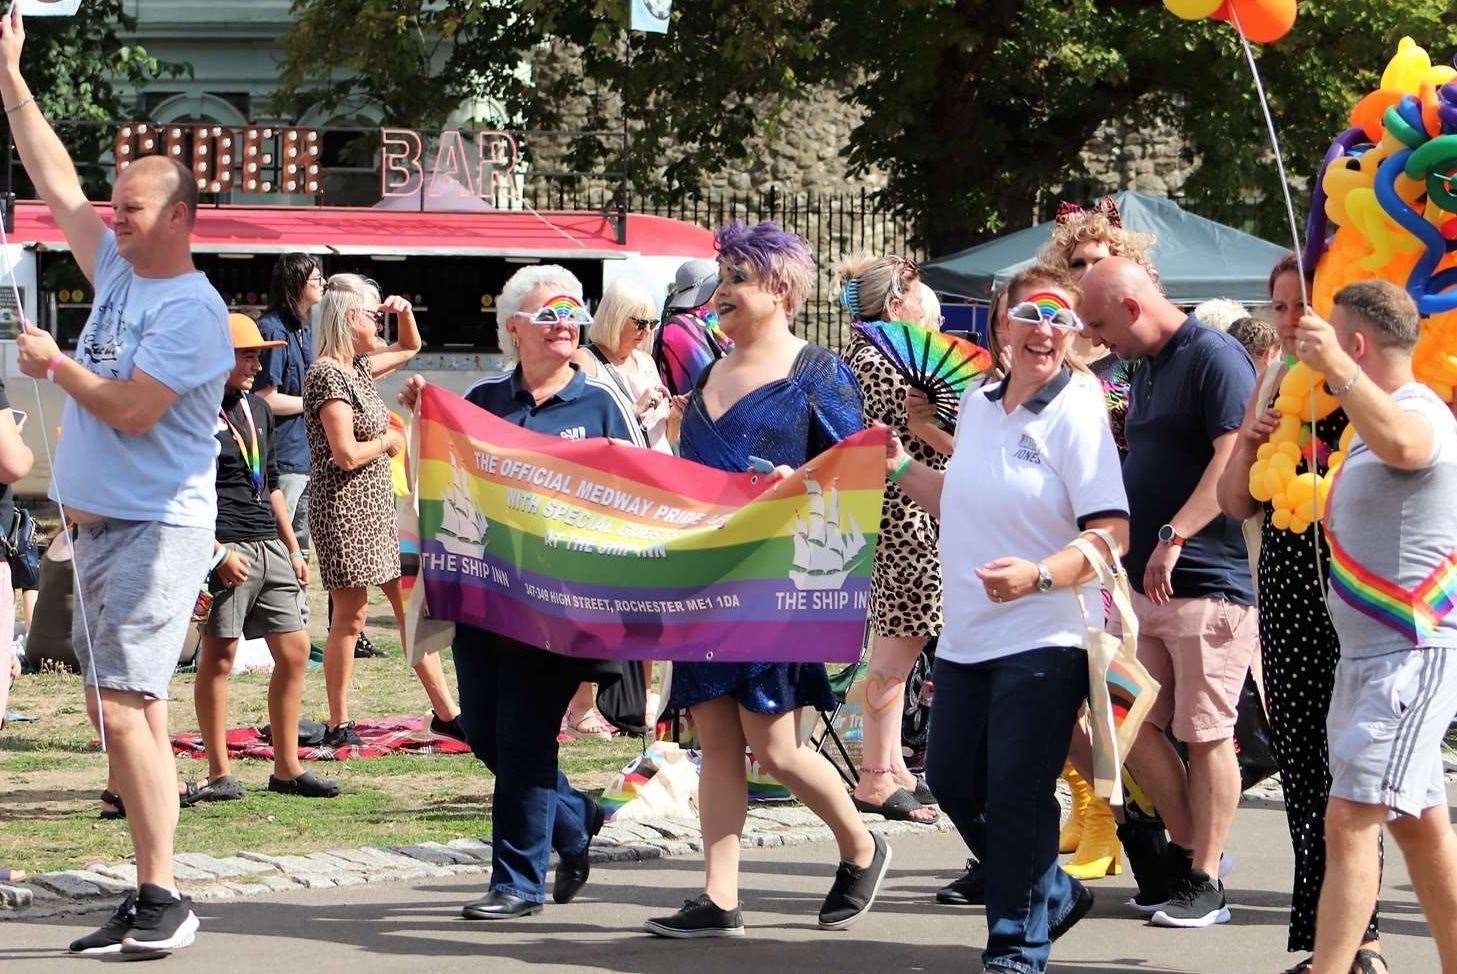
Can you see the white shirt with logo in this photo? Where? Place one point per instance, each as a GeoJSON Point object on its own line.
{"type": "Point", "coordinates": [1022, 485]}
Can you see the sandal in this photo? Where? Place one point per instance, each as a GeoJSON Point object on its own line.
{"type": "Point", "coordinates": [117, 809]}
{"type": "Point", "coordinates": [923, 793]}
{"type": "Point", "coordinates": [224, 789]}
{"type": "Point", "coordinates": [1366, 963]}
{"type": "Point", "coordinates": [306, 785]}
{"type": "Point", "coordinates": [897, 808]}
{"type": "Point", "coordinates": [591, 724]}
{"type": "Point", "coordinates": [1301, 968]}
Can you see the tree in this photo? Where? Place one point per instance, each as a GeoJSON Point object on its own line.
{"type": "Point", "coordinates": [977, 109]}
{"type": "Point", "coordinates": [76, 66]}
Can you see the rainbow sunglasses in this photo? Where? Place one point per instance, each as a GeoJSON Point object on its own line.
{"type": "Point", "coordinates": [1048, 307]}
{"type": "Point", "coordinates": [560, 309]}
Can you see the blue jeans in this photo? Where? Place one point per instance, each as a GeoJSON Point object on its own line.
{"type": "Point", "coordinates": [511, 706]}
{"type": "Point", "coordinates": [999, 736]}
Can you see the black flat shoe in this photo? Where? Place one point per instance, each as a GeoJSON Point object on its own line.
{"type": "Point", "coordinates": [572, 871]}
{"type": "Point", "coordinates": [498, 905]}
{"type": "Point", "coordinates": [117, 809]}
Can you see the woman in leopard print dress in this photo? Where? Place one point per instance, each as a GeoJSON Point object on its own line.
{"type": "Point", "coordinates": [351, 495]}
{"type": "Point", "coordinates": [906, 582]}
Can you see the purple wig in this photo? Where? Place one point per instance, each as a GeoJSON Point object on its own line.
{"type": "Point", "coordinates": [778, 259]}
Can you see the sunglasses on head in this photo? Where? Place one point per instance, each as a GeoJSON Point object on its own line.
{"type": "Point", "coordinates": [563, 309]}
{"type": "Point", "coordinates": [644, 324]}
{"type": "Point", "coordinates": [1049, 308]}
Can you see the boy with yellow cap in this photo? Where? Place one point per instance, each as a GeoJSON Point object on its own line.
{"type": "Point", "coordinates": [258, 577]}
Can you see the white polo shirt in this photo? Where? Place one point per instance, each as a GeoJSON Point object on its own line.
{"type": "Point", "coordinates": [1022, 486]}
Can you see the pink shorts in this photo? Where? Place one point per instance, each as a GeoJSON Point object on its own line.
{"type": "Point", "coordinates": [1199, 651]}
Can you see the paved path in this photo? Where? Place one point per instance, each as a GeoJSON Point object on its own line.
{"type": "Point", "coordinates": [416, 926]}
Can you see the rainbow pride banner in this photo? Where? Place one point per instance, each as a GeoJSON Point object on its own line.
{"type": "Point", "coordinates": [598, 549]}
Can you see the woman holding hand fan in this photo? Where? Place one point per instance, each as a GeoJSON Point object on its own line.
{"type": "Point", "coordinates": [906, 582]}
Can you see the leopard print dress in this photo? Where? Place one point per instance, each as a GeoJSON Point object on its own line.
{"type": "Point", "coordinates": [905, 585]}
{"type": "Point", "coordinates": [351, 512]}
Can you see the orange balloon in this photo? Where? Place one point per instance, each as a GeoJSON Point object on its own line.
{"type": "Point", "coordinates": [1264, 21]}
{"type": "Point", "coordinates": [1369, 113]}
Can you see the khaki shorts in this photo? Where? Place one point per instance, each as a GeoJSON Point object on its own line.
{"type": "Point", "coordinates": [266, 603]}
{"type": "Point", "coordinates": [1199, 651]}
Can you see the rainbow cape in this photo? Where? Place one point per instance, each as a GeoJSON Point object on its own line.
{"type": "Point", "coordinates": [598, 549]}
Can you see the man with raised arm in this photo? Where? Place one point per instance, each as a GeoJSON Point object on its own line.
{"type": "Point", "coordinates": [135, 470]}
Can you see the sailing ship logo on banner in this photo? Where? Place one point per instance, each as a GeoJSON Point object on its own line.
{"type": "Point", "coordinates": [463, 530]}
{"type": "Point", "coordinates": [825, 552]}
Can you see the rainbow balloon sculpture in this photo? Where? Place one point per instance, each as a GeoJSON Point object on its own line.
{"type": "Point", "coordinates": [1386, 185]}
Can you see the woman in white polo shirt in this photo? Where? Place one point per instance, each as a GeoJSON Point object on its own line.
{"type": "Point", "coordinates": [1034, 465]}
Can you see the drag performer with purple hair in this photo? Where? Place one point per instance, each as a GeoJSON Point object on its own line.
{"type": "Point", "coordinates": [779, 398]}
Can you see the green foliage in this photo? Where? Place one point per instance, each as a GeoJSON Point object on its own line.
{"type": "Point", "coordinates": [76, 67]}
{"type": "Point", "coordinates": [977, 109]}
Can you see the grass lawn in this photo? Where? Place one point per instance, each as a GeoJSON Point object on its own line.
{"type": "Point", "coordinates": [51, 774]}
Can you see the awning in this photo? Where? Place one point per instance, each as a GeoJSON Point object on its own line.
{"type": "Point", "coordinates": [351, 230]}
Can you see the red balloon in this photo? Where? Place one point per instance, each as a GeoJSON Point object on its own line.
{"type": "Point", "coordinates": [1264, 21]}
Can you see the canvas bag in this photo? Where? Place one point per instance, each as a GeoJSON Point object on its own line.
{"type": "Point", "coordinates": [662, 782]}
{"type": "Point", "coordinates": [1120, 690]}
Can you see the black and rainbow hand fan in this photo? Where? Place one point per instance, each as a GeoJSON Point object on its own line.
{"type": "Point", "coordinates": [938, 364]}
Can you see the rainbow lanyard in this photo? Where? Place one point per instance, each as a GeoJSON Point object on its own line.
{"type": "Point", "coordinates": [253, 458]}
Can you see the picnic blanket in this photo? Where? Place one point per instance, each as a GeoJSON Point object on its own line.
{"type": "Point", "coordinates": [388, 735]}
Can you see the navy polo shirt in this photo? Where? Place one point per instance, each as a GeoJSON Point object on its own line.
{"type": "Point", "coordinates": [284, 369]}
{"type": "Point", "coordinates": [1189, 394]}
{"type": "Point", "coordinates": [584, 408]}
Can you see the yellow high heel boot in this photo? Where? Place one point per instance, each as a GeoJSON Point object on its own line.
{"type": "Point", "coordinates": [1098, 853]}
{"type": "Point", "coordinates": [1072, 829]}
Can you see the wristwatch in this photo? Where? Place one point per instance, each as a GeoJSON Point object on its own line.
{"type": "Point", "coordinates": [1168, 535]}
{"type": "Point", "coordinates": [1044, 578]}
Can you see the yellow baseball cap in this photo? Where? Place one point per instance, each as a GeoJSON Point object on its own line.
{"type": "Point", "coordinates": [246, 334]}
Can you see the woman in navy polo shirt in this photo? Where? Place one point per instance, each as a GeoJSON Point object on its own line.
{"type": "Point", "coordinates": [1033, 466]}
{"type": "Point", "coordinates": [513, 696]}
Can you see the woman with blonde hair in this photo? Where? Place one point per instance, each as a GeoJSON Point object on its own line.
{"type": "Point", "coordinates": [352, 499]}
{"type": "Point", "coordinates": [905, 588]}
{"type": "Point", "coordinates": [625, 316]}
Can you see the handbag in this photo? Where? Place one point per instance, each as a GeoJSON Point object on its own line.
{"type": "Point", "coordinates": [21, 550]}
{"type": "Point", "coordinates": [1120, 690]}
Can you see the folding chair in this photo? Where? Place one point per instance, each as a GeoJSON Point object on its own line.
{"type": "Point", "coordinates": [826, 733]}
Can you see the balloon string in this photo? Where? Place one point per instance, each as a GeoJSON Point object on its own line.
{"type": "Point", "coordinates": [45, 438]}
{"type": "Point", "coordinates": [1300, 273]}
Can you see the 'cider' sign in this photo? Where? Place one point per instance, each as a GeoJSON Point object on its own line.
{"type": "Point", "coordinates": [259, 159]}
{"type": "Point", "coordinates": [485, 167]}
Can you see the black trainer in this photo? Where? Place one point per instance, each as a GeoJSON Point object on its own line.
{"type": "Point", "coordinates": [700, 917]}
{"type": "Point", "coordinates": [342, 736]}
{"type": "Point", "coordinates": [854, 890]}
{"type": "Point", "coordinates": [306, 785]}
{"type": "Point", "coordinates": [1155, 886]}
{"type": "Point", "coordinates": [968, 889]}
{"type": "Point", "coordinates": [107, 939]}
{"type": "Point", "coordinates": [447, 728]}
{"type": "Point", "coordinates": [1197, 901]}
{"type": "Point", "coordinates": [163, 922]}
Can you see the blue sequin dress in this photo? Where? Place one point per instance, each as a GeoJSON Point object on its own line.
{"type": "Point", "coordinates": [787, 422]}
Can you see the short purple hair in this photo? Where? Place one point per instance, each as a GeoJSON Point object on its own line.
{"type": "Point", "coordinates": [779, 259]}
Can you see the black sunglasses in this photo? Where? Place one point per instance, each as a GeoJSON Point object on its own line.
{"type": "Point", "coordinates": [644, 324]}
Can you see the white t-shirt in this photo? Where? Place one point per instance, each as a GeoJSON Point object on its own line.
{"type": "Point", "coordinates": [175, 329]}
{"type": "Point", "coordinates": [1022, 486]}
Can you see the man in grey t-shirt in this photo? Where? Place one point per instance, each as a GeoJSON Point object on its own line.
{"type": "Point", "coordinates": [144, 387]}
{"type": "Point", "coordinates": [1392, 526]}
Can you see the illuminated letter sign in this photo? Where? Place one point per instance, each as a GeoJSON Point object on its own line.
{"type": "Point", "coordinates": [399, 169]}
